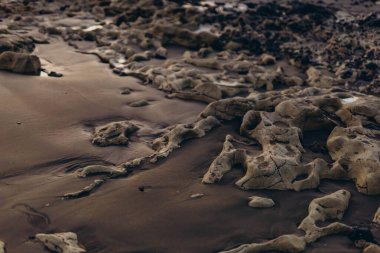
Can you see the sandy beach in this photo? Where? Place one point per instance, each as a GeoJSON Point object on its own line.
{"type": "Point", "coordinates": [189, 126]}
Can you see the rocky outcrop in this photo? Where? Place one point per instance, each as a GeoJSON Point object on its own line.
{"type": "Point", "coordinates": [355, 152]}
{"type": "Point", "coordinates": [280, 166]}
{"type": "Point", "coordinates": [22, 63]}
{"type": "Point", "coordinates": [179, 133]}
{"type": "Point", "coordinates": [115, 133]}
{"type": "Point", "coordinates": [66, 242]}
{"type": "Point", "coordinates": [329, 207]}
{"type": "Point", "coordinates": [15, 43]}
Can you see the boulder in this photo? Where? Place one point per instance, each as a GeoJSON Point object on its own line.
{"type": "Point", "coordinates": [22, 63]}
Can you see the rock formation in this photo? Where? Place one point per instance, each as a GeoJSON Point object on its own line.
{"type": "Point", "coordinates": [22, 63]}
{"type": "Point", "coordinates": [115, 133]}
{"type": "Point", "coordinates": [66, 242]}
{"type": "Point", "coordinates": [331, 206]}
{"type": "Point", "coordinates": [280, 135]}
{"type": "Point", "coordinates": [85, 191]}
{"type": "Point", "coordinates": [179, 133]}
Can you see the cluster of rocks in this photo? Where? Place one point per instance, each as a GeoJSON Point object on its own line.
{"type": "Point", "coordinates": [329, 207]}
{"type": "Point", "coordinates": [284, 69]}
{"type": "Point", "coordinates": [229, 44]}
{"type": "Point", "coordinates": [352, 144]}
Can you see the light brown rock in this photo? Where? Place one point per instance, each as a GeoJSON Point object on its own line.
{"type": "Point", "coordinates": [115, 133]}
{"type": "Point", "coordinates": [260, 202]}
{"type": "Point", "coordinates": [66, 242]}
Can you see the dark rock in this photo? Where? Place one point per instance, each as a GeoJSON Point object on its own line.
{"type": "Point", "coordinates": [20, 63]}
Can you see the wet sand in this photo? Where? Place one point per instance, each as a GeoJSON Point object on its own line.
{"type": "Point", "coordinates": [46, 130]}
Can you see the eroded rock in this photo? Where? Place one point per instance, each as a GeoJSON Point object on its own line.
{"type": "Point", "coordinates": [331, 206]}
{"type": "Point", "coordinates": [179, 133]}
{"type": "Point", "coordinates": [280, 165]}
{"type": "Point", "coordinates": [66, 242]}
{"type": "Point", "coordinates": [85, 191]}
{"type": "Point", "coordinates": [115, 133]}
{"type": "Point", "coordinates": [91, 170]}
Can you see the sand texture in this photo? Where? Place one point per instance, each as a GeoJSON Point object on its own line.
{"type": "Point", "coordinates": [162, 126]}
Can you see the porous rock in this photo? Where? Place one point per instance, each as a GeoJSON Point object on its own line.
{"type": "Point", "coordinates": [179, 133]}
{"type": "Point", "coordinates": [115, 133]}
{"type": "Point", "coordinates": [66, 242]}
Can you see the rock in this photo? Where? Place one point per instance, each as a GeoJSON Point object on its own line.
{"type": "Point", "coordinates": [15, 43]}
{"type": "Point", "coordinates": [228, 158]}
{"type": "Point", "coordinates": [278, 133]}
{"type": "Point", "coordinates": [54, 74]}
{"type": "Point", "coordinates": [204, 52]}
{"type": "Point", "coordinates": [126, 91]}
{"type": "Point", "coordinates": [331, 206]}
{"type": "Point", "coordinates": [242, 67]}
{"type": "Point", "coordinates": [354, 151]}
{"type": "Point", "coordinates": [66, 242]}
{"type": "Point", "coordinates": [376, 218]}
{"type": "Point", "coordinates": [204, 63]}
{"type": "Point", "coordinates": [280, 165]}
{"type": "Point", "coordinates": [115, 133]}
{"type": "Point", "coordinates": [85, 191]}
{"type": "Point", "coordinates": [260, 202]}
{"type": "Point", "coordinates": [284, 243]}
{"type": "Point", "coordinates": [228, 109]}
{"type": "Point", "coordinates": [22, 63]}
{"type": "Point", "coordinates": [144, 56]}
{"type": "Point", "coordinates": [179, 133]}
{"type": "Point", "coordinates": [267, 59]}
{"type": "Point", "coordinates": [209, 90]}
{"type": "Point", "coordinates": [103, 53]}
{"type": "Point", "coordinates": [161, 53]}
{"type": "Point", "coordinates": [371, 248]}
{"type": "Point", "coordinates": [183, 37]}
{"type": "Point", "coordinates": [110, 170]}
{"type": "Point", "coordinates": [139, 103]}
{"type": "Point", "coordinates": [316, 78]}
{"type": "Point", "coordinates": [197, 195]}
{"type": "Point", "coordinates": [194, 96]}
{"type": "Point", "coordinates": [2, 247]}
{"type": "Point", "coordinates": [233, 46]}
